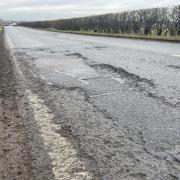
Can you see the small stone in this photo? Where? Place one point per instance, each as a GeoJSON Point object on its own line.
{"type": "Point", "coordinates": [4, 176]}
{"type": "Point", "coordinates": [5, 150]}
{"type": "Point", "coordinates": [19, 172]}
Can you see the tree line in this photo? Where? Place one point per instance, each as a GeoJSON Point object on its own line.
{"type": "Point", "coordinates": [156, 21]}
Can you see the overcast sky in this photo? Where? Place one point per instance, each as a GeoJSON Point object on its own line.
{"type": "Point", "coordinates": [58, 9]}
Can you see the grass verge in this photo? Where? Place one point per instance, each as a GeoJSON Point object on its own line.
{"type": "Point", "coordinates": [133, 36]}
{"type": "Point", "coordinates": [1, 28]}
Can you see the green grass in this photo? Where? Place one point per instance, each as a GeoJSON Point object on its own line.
{"type": "Point", "coordinates": [1, 27]}
{"type": "Point", "coordinates": [134, 36]}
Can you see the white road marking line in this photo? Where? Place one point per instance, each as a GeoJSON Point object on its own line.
{"type": "Point", "coordinates": [176, 55]}
{"type": "Point", "coordinates": [8, 41]}
{"type": "Point", "coordinates": [104, 94]}
{"type": "Point", "coordinates": [10, 45]}
{"type": "Point", "coordinates": [63, 154]}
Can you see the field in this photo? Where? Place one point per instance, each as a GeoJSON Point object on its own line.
{"type": "Point", "coordinates": [134, 36]}
{"type": "Point", "coordinates": [1, 27]}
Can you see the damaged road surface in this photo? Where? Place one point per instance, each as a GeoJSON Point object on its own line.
{"type": "Point", "coordinates": [98, 107]}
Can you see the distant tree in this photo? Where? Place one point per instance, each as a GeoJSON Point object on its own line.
{"type": "Point", "coordinates": [157, 21]}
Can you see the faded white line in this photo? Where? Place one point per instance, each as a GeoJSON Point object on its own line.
{"type": "Point", "coordinates": [10, 45]}
{"type": "Point", "coordinates": [63, 155]}
{"type": "Point", "coordinates": [103, 94]}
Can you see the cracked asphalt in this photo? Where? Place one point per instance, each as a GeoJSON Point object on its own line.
{"type": "Point", "coordinates": [97, 107]}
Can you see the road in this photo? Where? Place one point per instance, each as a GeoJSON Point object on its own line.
{"type": "Point", "coordinates": [116, 102]}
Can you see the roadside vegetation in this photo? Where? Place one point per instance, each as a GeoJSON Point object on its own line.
{"type": "Point", "coordinates": [135, 36]}
{"type": "Point", "coordinates": [157, 23]}
{"type": "Point", "coordinates": [1, 27]}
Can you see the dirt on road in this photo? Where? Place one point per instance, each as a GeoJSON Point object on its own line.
{"type": "Point", "coordinates": [14, 151]}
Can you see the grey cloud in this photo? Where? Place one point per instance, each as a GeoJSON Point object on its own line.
{"type": "Point", "coordinates": [57, 9]}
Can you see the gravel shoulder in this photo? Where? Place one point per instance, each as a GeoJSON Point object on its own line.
{"type": "Point", "coordinates": [15, 160]}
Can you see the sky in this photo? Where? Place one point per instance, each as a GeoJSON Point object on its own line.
{"type": "Point", "coordinates": [30, 10]}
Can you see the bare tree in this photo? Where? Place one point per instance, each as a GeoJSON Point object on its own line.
{"type": "Point", "coordinates": [156, 21]}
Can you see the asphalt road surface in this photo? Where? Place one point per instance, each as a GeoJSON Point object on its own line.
{"type": "Point", "coordinates": [106, 108]}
